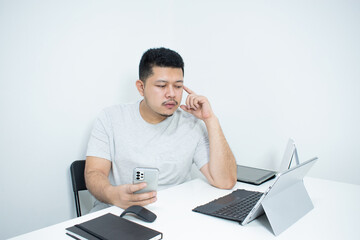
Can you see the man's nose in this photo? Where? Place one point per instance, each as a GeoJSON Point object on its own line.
{"type": "Point", "coordinates": [170, 92]}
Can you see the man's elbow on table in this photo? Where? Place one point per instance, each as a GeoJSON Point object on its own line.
{"type": "Point", "coordinates": [228, 183]}
{"type": "Point", "coordinates": [220, 181]}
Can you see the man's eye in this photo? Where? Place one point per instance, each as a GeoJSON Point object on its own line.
{"type": "Point", "coordinates": [178, 86]}
{"type": "Point", "coordinates": [161, 86]}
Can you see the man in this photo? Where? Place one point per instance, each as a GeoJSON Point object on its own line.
{"type": "Point", "coordinates": [154, 132]}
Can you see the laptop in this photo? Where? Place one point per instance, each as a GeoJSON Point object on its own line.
{"type": "Point", "coordinates": [258, 176]}
{"type": "Point", "coordinates": [244, 206]}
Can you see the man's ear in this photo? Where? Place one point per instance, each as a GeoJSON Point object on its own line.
{"type": "Point", "coordinates": [140, 85]}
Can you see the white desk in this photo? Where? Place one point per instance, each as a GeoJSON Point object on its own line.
{"type": "Point", "coordinates": [335, 216]}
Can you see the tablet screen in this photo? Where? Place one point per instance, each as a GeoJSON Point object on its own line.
{"type": "Point", "coordinates": [253, 175]}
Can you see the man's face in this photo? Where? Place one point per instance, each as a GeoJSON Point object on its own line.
{"type": "Point", "coordinates": [162, 91]}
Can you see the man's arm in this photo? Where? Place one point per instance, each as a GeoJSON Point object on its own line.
{"type": "Point", "coordinates": [221, 168]}
{"type": "Point", "coordinates": [220, 171]}
{"type": "Point", "coordinates": [96, 177]}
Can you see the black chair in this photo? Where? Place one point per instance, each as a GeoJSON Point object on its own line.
{"type": "Point", "coordinates": [78, 182]}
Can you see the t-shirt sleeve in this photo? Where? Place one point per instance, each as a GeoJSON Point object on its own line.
{"type": "Point", "coordinates": [202, 151]}
{"type": "Point", "coordinates": [100, 138]}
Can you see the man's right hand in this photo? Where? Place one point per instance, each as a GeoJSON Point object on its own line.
{"type": "Point", "coordinates": [97, 182]}
{"type": "Point", "coordinates": [123, 195]}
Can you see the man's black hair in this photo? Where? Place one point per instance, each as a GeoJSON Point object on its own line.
{"type": "Point", "coordinates": [160, 57]}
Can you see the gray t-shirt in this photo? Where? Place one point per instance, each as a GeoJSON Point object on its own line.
{"type": "Point", "coordinates": [122, 136]}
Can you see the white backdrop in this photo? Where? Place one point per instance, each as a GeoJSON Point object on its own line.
{"type": "Point", "coordinates": [271, 69]}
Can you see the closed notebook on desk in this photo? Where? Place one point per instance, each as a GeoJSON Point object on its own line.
{"type": "Point", "coordinates": [111, 227]}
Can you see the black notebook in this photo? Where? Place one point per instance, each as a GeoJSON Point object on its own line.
{"type": "Point", "coordinates": [111, 227]}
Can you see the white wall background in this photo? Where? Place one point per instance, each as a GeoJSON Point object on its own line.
{"type": "Point", "coordinates": [271, 69]}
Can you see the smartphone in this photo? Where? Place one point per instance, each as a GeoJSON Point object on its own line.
{"type": "Point", "coordinates": [148, 175]}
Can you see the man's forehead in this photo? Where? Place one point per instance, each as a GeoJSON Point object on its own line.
{"type": "Point", "coordinates": [166, 70]}
{"type": "Point", "coordinates": [166, 75]}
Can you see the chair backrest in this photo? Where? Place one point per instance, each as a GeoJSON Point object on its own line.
{"type": "Point", "coordinates": [78, 182]}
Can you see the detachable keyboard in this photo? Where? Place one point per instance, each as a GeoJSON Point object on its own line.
{"type": "Point", "coordinates": [239, 209]}
{"type": "Point", "coordinates": [234, 206]}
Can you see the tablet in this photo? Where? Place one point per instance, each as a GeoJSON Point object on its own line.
{"type": "Point", "coordinates": [253, 175]}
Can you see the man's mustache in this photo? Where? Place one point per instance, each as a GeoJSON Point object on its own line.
{"type": "Point", "coordinates": [170, 101]}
